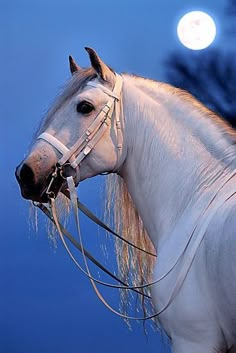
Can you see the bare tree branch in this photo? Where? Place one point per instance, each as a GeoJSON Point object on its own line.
{"type": "Point", "coordinates": [210, 76]}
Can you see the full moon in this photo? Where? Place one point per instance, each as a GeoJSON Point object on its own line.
{"type": "Point", "coordinates": [196, 30]}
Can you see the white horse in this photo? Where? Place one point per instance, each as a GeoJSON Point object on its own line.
{"type": "Point", "coordinates": [177, 160]}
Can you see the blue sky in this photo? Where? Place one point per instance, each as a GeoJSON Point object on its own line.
{"type": "Point", "coordinates": [45, 304]}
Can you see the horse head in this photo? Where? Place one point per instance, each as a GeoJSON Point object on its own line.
{"type": "Point", "coordinates": [80, 135]}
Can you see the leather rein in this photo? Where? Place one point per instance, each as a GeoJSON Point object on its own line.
{"type": "Point", "coordinates": [73, 157]}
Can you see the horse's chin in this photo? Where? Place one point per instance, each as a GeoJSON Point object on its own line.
{"type": "Point", "coordinates": [41, 195]}
{"type": "Point", "coordinates": [35, 197]}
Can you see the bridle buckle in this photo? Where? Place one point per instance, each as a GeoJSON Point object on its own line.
{"type": "Point", "coordinates": [51, 194]}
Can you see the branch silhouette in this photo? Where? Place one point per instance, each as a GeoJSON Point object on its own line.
{"type": "Point", "coordinates": [210, 76]}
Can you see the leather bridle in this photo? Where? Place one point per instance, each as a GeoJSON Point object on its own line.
{"type": "Point", "coordinates": [84, 145]}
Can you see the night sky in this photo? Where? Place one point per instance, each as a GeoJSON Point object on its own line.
{"type": "Point", "coordinates": [46, 305]}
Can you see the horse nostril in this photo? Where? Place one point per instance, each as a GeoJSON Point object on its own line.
{"type": "Point", "coordinates": [25, 175]}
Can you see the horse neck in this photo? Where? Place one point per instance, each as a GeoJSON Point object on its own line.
{"type": "Point", "coordinates": [169, 155]}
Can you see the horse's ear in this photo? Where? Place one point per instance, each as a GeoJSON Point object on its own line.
{"type": "Point", "coordinates": [73, 66]}
{"type": "Point", "coordinates": [99, 66]}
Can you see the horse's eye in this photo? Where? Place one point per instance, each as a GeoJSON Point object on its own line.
{"type": "Point", "coordinates": [84, 107]}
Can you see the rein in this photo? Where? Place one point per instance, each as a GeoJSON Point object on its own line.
{"type": "Point", "coordinates": [65, 232]}
{"type": "Point", "coordinates": [73, 157]}
{"type": "Point", "coordinates": [208, 214]}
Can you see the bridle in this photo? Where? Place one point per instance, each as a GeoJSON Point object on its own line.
{"type": "Point", "coordinates": [74, 156]}
{"type": "Point", "coordinates": [84, 145]}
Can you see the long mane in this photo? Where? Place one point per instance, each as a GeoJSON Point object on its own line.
{"type": "Point", "coordinates": [134, 267]}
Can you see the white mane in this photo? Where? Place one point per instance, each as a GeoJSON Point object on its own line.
{"type": "Point", "coordinates": [171, 128]}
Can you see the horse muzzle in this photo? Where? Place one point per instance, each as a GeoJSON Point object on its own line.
{"type": "Point", "coordinates": [48, 187]}
{"type": "Point", "coordinates": [33, 189]}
